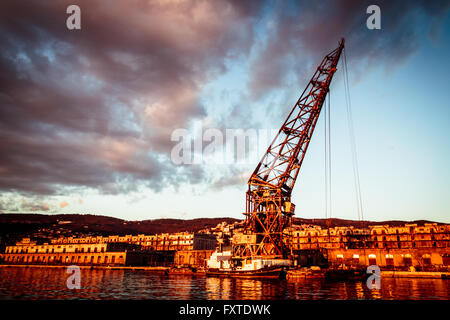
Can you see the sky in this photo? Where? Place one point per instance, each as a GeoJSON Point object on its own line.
{"type": "Point", "coordinates": [87, 116]}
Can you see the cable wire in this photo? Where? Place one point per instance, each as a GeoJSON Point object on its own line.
{"type": "Point", "coordinates": [359, 205]}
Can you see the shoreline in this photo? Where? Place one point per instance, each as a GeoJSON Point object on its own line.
{"type": "Point", "coordinates": [167, 270]}
{"type": "Point", "coordinates": [158, 269]}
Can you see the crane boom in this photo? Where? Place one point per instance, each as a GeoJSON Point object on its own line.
{"type": "Point", "coordinates": [268, 200]}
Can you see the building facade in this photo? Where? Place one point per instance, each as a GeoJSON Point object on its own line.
{"type": "Point", "coordinates": [409, 236]}
{"type": "Point", "coordinates": [150, 250]}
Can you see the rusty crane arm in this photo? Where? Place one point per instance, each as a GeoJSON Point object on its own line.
{"type": "Point", "coordinates": [268, 205]}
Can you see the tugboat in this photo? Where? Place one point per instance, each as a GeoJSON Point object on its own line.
{"type": "Point", "coordinates": [221, 264]}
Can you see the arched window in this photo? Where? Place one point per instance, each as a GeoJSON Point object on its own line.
{"type": "Point", "coordinates": [372, 259]}
{"type": "Point", "coordinates": [407, 260]}
{"type": "Point", "coordinates": [389, 260]}
{"type": "Point", "coordinates": [426, 259]}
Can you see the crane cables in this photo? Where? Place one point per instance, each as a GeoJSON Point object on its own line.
{"type": "Point", "coordinates": [359, 205]}
{"type": "Point", "coordinates": [327, 154]}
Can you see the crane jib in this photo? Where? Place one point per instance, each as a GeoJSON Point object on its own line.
{"type": "Point", "coordinates": [294, 136]}
{"type": "Point", "coordinates": [269, 210]}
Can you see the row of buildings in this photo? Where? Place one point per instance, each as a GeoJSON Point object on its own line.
{"type": "Point", "coordinates": [408, 236]}
{"type": "Point", "coordinates": [424, 247]}
{"type": "Point", "coordinates": [141, 250]}
{"type": "Point", "coordinates": [383, 245]}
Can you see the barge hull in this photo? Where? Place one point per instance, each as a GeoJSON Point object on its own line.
{"type": "Point", "coordinates": [268, 273]}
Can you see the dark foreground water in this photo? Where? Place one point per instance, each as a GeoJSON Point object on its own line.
{"type": "Point", "coordinates": [50, 283]}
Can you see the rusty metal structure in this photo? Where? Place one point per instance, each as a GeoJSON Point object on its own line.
{"type": "Point", "coordinates": [269, 209]}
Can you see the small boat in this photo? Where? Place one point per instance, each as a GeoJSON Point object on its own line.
{"type": "Point", "coordinates": [306, 273]}
{"type": "Point", "coordinates": [185, 270]}
{"type": "Point", "coordinates": [339, 274]}
{"type": "Point", "coordinates": [274, 272]}
{"type": "Point", "coordinates": [221, 264]}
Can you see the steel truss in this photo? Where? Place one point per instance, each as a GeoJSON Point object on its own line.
{"type": "Point", "coordinates": [269, 210]}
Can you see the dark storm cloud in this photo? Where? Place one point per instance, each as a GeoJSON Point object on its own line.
{"type": "Point", "coordinates": [96, 107]}
{"type": "Point", "coordinates": [300, 33]}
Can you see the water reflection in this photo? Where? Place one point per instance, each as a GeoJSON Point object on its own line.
{"type": "Point", "coordinates": [50, 283]}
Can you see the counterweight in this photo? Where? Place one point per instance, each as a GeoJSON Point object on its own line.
{"type": "Point", "coordinates": [269, 209]}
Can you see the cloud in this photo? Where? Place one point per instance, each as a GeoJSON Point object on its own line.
{"type": "Point", "coordinates": [95, 108]}
{"type": "Point", "coordinates": [299, 34]}
{"type": "Point", "coordinates": [63, 204]}
{"type": "Point", "coordinates": [16, 203]}
{"type": "Point", "coordinates": [235, 176]}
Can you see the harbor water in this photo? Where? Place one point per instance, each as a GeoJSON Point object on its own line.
{"type": "Point", "coordinates": [21, 283]}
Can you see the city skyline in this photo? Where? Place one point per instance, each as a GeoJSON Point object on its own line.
{"type": "Point", "coordinates": [87, 115]}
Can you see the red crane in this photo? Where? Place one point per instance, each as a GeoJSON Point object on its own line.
{"type": "Point", "coordinates": [269, 209]}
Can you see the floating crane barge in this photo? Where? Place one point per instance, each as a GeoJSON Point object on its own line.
{"type": "Point", "coordinates": [264, 250]}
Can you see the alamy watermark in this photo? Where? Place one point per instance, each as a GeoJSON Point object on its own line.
{"type": "Point", "coordinates": [374, 280]}
{"type": "Point", "coordinates": [74, 280]}
{"type": "Point", "coordinates": [73, 22]}
{"type": "Point", "coordinates": [374, 20]}
{"type": "Point", "coordinates": [242, 146]}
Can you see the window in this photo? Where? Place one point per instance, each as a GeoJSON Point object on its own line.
{"type": "Point", "coordinates": [446, 259]}
{"type": "Point", "coordinates": [407, 260]}
{"type": "Point", "coordinates": [426, 259]}
{"type": "Point", "coordinates": [389, 260]}
{"type": "Point", "coordinates": [372, 259]}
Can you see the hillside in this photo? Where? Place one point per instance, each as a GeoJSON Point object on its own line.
{"type": "Point", "coordinates": [15, 226]}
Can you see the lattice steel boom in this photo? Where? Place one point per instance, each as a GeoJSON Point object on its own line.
{"type": "Point", "coordinates": [269, 209]}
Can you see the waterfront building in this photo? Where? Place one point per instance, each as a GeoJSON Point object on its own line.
{"type": "Point", "coordinates": [422, 246]}
{"type": "Point", "coordinates": [149, 250]}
